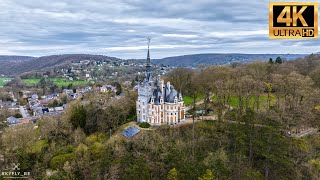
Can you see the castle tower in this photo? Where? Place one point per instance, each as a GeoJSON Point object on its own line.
{"type": "Point", "coordinates": [148, 66]}
{"type": "Point", "coordinates": [145, 92]}
{"type": "Point", "coordinates": [158, 102]}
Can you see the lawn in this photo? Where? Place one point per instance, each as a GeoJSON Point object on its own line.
{"type": "Point", "coordinates": [30, 82]}
{"type": "Point", "coordinates": [4, 80]}
{"type": "Point", "coordinates": [188, 100]}
{"type": "Point", "coordinates": [57, 81]}
{"type": "Point", "coordinates": [62, 82]}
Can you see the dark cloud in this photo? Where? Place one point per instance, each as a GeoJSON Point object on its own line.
{"type": "Point", "coordinates": [119, 28]}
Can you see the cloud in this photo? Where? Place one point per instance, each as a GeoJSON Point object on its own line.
{"type": "Point", "coordinates": [180, 35]}
{"type": "Point", "coordinates": [119, 28]}
{"type": "Point", "coordinates": [167, 46]}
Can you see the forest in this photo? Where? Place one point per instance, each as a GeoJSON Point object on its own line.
{"type": "Point", "coordinates": [261, 109]}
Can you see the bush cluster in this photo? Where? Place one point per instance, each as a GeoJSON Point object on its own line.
{"type": "Point", "coordinates": [144, 125]}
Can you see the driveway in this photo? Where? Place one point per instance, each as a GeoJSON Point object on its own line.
{"type": "Point", "coordinates": [24, 112]}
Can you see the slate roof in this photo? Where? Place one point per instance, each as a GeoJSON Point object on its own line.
{"type": "Point", "coordinates": [168, 95]}
{"type": "Point", "coordinates": [12, 120]}
{"type": "Point", "coordinates": [130, 132]}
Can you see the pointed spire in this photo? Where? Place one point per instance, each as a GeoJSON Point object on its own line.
{"type": "Point", "coordinates": [148, 55]}
{"type": "Point", "coordinates": [148, 66]}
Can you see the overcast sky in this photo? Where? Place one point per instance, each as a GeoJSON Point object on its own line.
{"type": "Point", "coordinates": [119, 28]}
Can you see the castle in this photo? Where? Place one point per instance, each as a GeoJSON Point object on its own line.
{"type": "Point", "coordinates": [158, 103]}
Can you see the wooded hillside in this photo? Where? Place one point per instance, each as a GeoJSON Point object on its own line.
{"type": "Point", "coordinates": [261, 110]}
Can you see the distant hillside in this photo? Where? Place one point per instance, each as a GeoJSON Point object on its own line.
{"type": "Point", "coordinates": [15, 58]}
{"type": "Point", "coordinates": [44, 62]}
{"type": "Point", "coordinates": [219, 59]}
{"type": "Point", "coordinates": [15, 65]}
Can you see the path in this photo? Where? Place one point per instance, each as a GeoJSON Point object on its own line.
{"type": "Point", "coordinates": [197, 103]}
{"type": "Point", "coordinates": [24, 112]}
{"type": "Point", "coordinates": [305, 132]}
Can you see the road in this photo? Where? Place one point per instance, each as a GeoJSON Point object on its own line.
{"type": "Point", "coordinates": [24, 112]}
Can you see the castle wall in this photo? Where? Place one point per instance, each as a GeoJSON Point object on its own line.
{"type": "Point", "coordinates": [165, 113]}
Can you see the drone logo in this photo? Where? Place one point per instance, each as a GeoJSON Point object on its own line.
{"type": "Point", "coordinates": [15, 167]}
{"type": "Point", "coordinates": [12, 171]}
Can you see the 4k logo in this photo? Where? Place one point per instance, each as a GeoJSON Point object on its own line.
{"type": "Point", "coordinates": [293, 20]}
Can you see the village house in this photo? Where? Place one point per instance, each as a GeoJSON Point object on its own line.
{"type": "Point", "coordinates": [7, 104]}
{"type": "Point", "coordinates": [67, 91]}
{"type": "Point", "coordinates": [14, 121]}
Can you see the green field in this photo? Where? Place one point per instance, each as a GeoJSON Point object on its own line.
{"type": "Point", "coordinates": [4, 81]}
{"type": "Point", "coordinates": [62, 82]}
{"type": "Point", "coordinates": [57, 81]}
{"type": "Point", "coordinates": [30, 82]}
{"type": "Point", "coordinates": [188, 100]}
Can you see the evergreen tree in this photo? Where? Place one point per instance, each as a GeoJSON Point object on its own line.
{"type": "Point", "coordinates": [270, 61]}
{"type": "Point", "coordinates": [278, 60]}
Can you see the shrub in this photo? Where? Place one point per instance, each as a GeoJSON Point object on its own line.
{"type": "Point", "coordinates": [18, 115]}
{"type": "Point", "coordinates": [144, 125]}
{"type": "Point", "coordinates": [38, 146]}
{"type": "Point", "coordinates": [58, 161]}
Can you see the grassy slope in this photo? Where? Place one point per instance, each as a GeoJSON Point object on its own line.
{"type": "Point", "coordinates": [3, 81]}
{"type": "Point", "coordinates": [188, 100]}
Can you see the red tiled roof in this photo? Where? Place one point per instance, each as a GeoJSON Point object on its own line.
{"type": "Point", "coordinates": [25, 120]}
